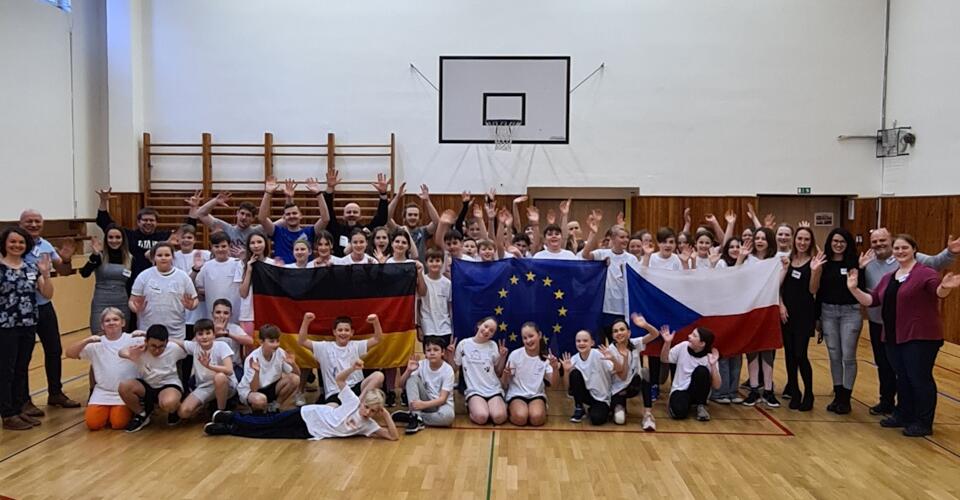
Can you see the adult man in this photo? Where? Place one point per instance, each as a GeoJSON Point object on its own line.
{"type": "Point", "coordinates": [48, 328]}
{"type": "Point", "coordinates": [287, 230]}
{"type": "Point", "coordinates": [411, 219]}
{"type": "Point", "coordinates": [351, 212]}
{"type": "Point", "coordinates": [876, 263]}
{"type": "Point", "coordinates": [238, 233]}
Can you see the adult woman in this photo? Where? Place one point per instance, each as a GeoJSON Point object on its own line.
{"type": "Point", "coordinates": [798, 315]}
{"type": "Point", "coordinates": [763, 248]}
{"type": "Point", "coordinates": [839, 315]}
{"type": "Point", "coordinates": [912, 333]}
{"type": "Point", "coordinates": [110, 266]}
{"type": "Point", "coordinates": [19, 284]}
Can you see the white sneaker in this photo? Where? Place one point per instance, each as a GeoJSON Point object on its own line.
{"type": "Point", "coordinates": [649, 423]}
{"type": "Point", "coordinates": [299, 400]}
{"type": "Point", "coordinates": [619, 415]}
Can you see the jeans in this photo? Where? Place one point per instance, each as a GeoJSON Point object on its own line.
{"type": "Point", "coordinates": [841, 324]}
{"type": "Point", "coordinates": [285, 425]}
{"type": "Point", "coordinates": [729, 376]}
{"type": "Point", "coordinates": [916, 388]}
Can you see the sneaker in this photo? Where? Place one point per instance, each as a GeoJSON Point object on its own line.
{"type": "Point", "coordinates": [702, 414]}
{"type": "Point", "coordinates": [723, 400]}
{"type": "Point", "coordinates": [752, 399]}
{"type": "Point", "coordinates": [215, 429]}
{"type": "Point", "coordinates": [222, 417]}
{"type": "Point", "coordinates": [273, 407]}
{"type": "Point", "coordinates": [138, 422]}
{"type": "Point", "coordinates": [62, 401]}
{"type": "Point", "coordinates": [30, 409]}
{"type": "Point", "coordinates": [917, 430]}
{"type": "Point", "coordinates": [401, 416]}
{"type": "Point", "coordinates": [649, 423]}
{"type": "Point", "coordinates": [391, 399]}
{"type": "Point", "coordinates": [881, 408]}
{"type": "Point", "coordinates": [299, 400]}
{"type": "Point", "coordinates": [770, 399]}
{"type": "Point", "coordinates": [173, 418]}
{"type": "Point", "coordinates": [578, 414]}
{"type": "Point", "coordinates": [619, 415]}
{"type": "Point", "coordinates": [737, 399]}
{"type": "Point", "coordinates": [415, 425]}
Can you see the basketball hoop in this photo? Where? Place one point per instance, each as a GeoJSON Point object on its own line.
{"type": "Point", "coordinates": [503, 133]}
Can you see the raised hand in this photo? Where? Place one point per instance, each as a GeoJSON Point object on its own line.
{"type": "Point", "coordinates": [412, 363]}
{"type": "Point", "coordinates": [357, 365]}
{"type": "Point", "coordinates": [106, 194]}
{"type": "Point", "coordinates": [186, 300]}
{"type": "Point", "coordinates": [639, 320]}
{"type": "Point", "coordinates": [477, 212]}
{"type": "Point", "coordinates": [223, 199]}
{"type": "Point", "coordinates": [424, 193]}
{"type": "Point", "coordinates": [621, 220]}
{"type": "Point", "coordinates": [666, 334]}
{"type": "Point", "coordinates": [452, 347]}
{"type": "Point", "coordinates": [333, 178]}
{"type": "Point", "coordinates": [714, 256]}
{"type": "Point", "coordinates": [309, 317]}
{"type": "Point", "coordinates": [381, 184]}
{"type": "Point", "coordinates": [204, 358]}
{"type": "Point", "coordinates": [402, 190]}
{"type": "Point", "coordinates": [551, 216]}
{"type": "Point", "coordinates": [607, 352]}
{"type": "Point", "coordinates": [380, 256]}
{"type": "Point", "coordinates": [96, 244]}
{"type": "Point", "coordinates": [565, 207]}
{"type": "Point", "coordinates": [254, 364]}
{"type": "Point", "coordinates": [491, 210]}
{"type": "Point", "coordinates": [593, 220]}
{"type": "Point", "coordinates": [818, 260]}
{"type": "Point", "coordinates": [750, 212]}
{"type": "Point", "coordinates": [554, 362]}
{"type": "Point", "coordinates": [953, 245]}
{"type": "Point", "coordinates": [769, 220]}
{"type": "Point", "coordinates": [270, 185]}
{"type": "Point", "coordinates": [746, 248]}
{"type": "Point", "coordinates": [67, 249]}
{"type": "Point", "coordinates": [502, 348]}
{"type": "Point", "coordinates": [372, 319]}
{"type": "Point", "coordinates": [419, 266]}
{"type": "Point", "coordinates": [220, 327]}
{"type": "Point", "coordinates": [44, 264]}
{"type": "Point", "coordinates": [289, 188]}
{"type": "Point", "coordinates": [519, 199]}
{"type": "Point", "coordinates": [533, 215]}
{"type": "Point", "coordinates": [197, 259]}
{"type": "Point", "coordinates": [686, 253]}
{"type": "Point", "coordinates": [492, 195]}
{"type": "Point", "coordinates": [465, 197]}
{"type": "Point", "coordinates": [950, 281]}
{"type": "Point", "coordinates": [508, 371]}
{"type": "Point", "coordinates": [867, 257]}
{"type": "Point", "coordinates": [686, 215]}
{"type": "Point", "coordinates": [448, 217]}
{"type": "Point", "coordinates": [713, 357]}
{"type": "Point", "coordinates": [730, 216]}
{"type": "Point", "coordinates": [711, 219]}
{"type": "Point", "coordinates": [313, 185]}
{"type": "Point", "coordinates": [852, 276]}
{"type": "Point", "coordinates": [194, 200]}
{"type": "Point", "coordinates": [649, 248]}
{"type": "Point", "coordinates": [567, 362]}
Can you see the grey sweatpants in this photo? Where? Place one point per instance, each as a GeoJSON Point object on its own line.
{"type": "Point", "coordinates": [441, 416]}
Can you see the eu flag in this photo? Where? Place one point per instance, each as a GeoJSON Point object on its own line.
{"type": "Point", "coordinates": [561, 296]}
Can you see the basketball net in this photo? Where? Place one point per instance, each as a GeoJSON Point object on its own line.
{"type": "Point", "coordinates": [503, 134]}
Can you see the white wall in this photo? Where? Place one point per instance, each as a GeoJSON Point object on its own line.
{"type": "Point", "coordinates": [51, 87]}
{"type": "Point", "coordinates": [699, 97]}
{"type": "Point", "coordinates": [922, 92]}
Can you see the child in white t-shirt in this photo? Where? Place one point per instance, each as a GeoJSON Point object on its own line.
{"type": "Point", "coordinates": [334, 357]}
{"type": "Point", "coordinates": [631, 381]}
{"type": "Point", "coordinates": [158, 383]}
{"type": "Point", "coordinates": [230, 333]}
{"type": "Point", "coordinates": [217, 278]}
{"type": "Point", "coordinates": [482, 361]}
{"type": "Point", "coordinates": [270, 375]}
{"type": "Point", "coordinates": [525, 375]}
{"type": "Point", "coordinates": [301, 255]}
{"type": "Point", "coordinates": [664, 257]}
{"type": "Point", "coordinates": [589, 374]}
{"type": "Point", "coordinates": [429, 388]}
{"type": "Point", "coordinates": [212, 370]}
{"type": "Point", "coordinates": [435, 301]}
{"type": "Point", "coordinates": [553, 245]}
{"type": "Point", "coordinates": [697, 372]}
{"type": "Point", "coordinates": [105, 406]}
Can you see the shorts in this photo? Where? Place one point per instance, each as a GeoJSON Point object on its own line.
{"type": "Point", "coordinates": [528, 400]}
{"type": "Point", "coordinates": [151, 395]}
{"type": "Point", "coordinates": [336, 397]}
{"type": "Point", "coordinates": [485, 398]}
{"type": "Point", "coordinates": [269, 391]}
{"type": "Point", "coordinates": [446, 339]}
{"type": "Point", "coordinates": [206, 392]}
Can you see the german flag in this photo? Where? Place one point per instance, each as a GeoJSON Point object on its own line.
{"type": "Point", "coordinates": [281, 296]}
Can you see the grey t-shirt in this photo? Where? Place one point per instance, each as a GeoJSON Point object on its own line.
{"type": "Point", "coordinates": [238, 237]}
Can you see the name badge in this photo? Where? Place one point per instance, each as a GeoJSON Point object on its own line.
{"type": "Point", "coordinates": [32, 276]}
{"type": "Point", "coordinates": [344, 241]}
{"type": "Point", "coordinates": [126, 273]}
{"type": "Point", "coordinates": [891, 260]}
{"type": "Point", "coordinates": [903, 278]}
{"type": "Point", "coordinates": [795, 274]}
{"type": "Point", "coordinates": [843, 271]}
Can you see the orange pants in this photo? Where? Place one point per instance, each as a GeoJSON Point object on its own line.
{"type": "Point", "coordinates": [98, 416]}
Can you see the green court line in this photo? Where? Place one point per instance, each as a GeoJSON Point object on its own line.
{"type": "Point", "coordinates": [493, 437]}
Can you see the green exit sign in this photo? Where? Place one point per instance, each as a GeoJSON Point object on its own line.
{"type": "Point", "coordinates": [803, 190]}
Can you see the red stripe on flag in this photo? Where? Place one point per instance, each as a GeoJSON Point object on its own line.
{"type": "Point", "coordinates": [754, 331]}
{"type": "Point", "coordinates": [396, 313]}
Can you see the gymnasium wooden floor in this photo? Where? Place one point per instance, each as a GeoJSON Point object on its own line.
{"type": "Point", "coordinates": [742, 453]}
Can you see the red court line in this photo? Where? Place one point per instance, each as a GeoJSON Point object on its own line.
{"type": "Point", "coordinates": [775, 422]}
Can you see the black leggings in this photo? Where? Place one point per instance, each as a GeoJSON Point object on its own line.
{"type": "Point", "coordinates": [284, 425]}
{"type": "Point", "coordinates": [598, 410]}
{"type": "Point", "coordinates": [796, 342]}
{"type": "Point", "coordinates": [695, 394]}
{"type": "Point", "coordinates": [16, 346]}
{"type": "Point", "coordinates": [637, 386]}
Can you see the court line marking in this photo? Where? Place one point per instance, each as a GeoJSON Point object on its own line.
{"type": "Point", "coordinates": [493, 437]}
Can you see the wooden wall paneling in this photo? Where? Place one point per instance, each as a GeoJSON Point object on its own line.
{"type": "Point", "coordinates": [124, 208]}
{"type": "Point", "coordinates": [950, 307]}
{"type": "Point", "coordinates": [864, 220]}
{"type": "Point", "coordinates": [923, 217]}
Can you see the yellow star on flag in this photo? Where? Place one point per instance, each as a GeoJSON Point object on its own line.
{"type": "Point", "coordinates": [558, 294]}
{"type": "Point", "coordinates": [531, 276]}
{"type": "Point", "coordinates": [503, 293]}
{"type": "Point", "coordinates": [547, 281]}
{"type": "Point", "coordinates": [556, 328]}
{"type": "Point", "coordinates": [514, 279]}
{"type": "Point", "coordinates": [503, 327]}
{"type": "Point", "coordinates": [562, 311]}
{"type": "Point", "coordinates": [513, 337]}
{"type": "Point", "coordinates": [498, 310]}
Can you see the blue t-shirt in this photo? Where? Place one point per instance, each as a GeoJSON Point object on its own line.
{"type": "Point", "coordinates": [40, 247]}
{"type": "Point", "coordinates": [283, 240]}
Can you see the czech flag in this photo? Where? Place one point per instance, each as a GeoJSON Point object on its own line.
{"type": "Point", "coordinates": [739, 304]}
{"type": "Point", "coordinates": [281, 296]}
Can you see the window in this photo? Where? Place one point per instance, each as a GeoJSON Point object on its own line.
{"type": "Point", "coordinates": [60, 4]}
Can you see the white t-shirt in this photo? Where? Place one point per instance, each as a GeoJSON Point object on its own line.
{"type": "Point", "coordinates": [671, 263]}
{"type": "Point", "coordinates": [686, 363]}
{"type": "Point", "coordinates": [435, 306]}
{"type": "Point", "coordinates": [633, 365]}
{"type": "Point", "coordinates": [184, 262]}
{"type": "Point", "coordinates": [163, 293]}
{"type": "Point", "coordinates": [219, 351]}
{"type": "Point", "coordinates": [333, 359]}
{"type": "Point", "coordinates": [235, 346]}
{"type": "Point", "coordinates": [563, 254]}
{"type": "Point", "coordinates": [109, 368]}
{"type": "Point", "coordinates": [347, 260]}
{"type": "Point", "coordinates": [158, 371]}
{"type": "Point", "coordinates": [702, 263]}
{"type": "Point", "coordinates": [597, 373]}
{"type": "Point", "coordinates": [270, 370]}
{"type": "Point", "coordinates": [219, 281]}
{"type": "Point", "coordinates": [246, 303]}
{"type": "Point", "coordinates": [529, 373]}
{"type": "Point", "coordinates": [614, 298]}
{"type": "Point", "coordinates": [436, 381]}
{"type": "Point", "coordinates": [478, 362]}
{"type": "Point", "coordinates": [343, 421]}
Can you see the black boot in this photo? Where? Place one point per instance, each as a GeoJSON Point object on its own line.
{"type": "Point", "coordinates": [843, 403]}
{"type": "Point", "coordinates": [837, 390]}
{"type": "Point", "coordinates": [807, 403]}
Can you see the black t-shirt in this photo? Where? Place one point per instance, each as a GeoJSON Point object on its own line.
{"type": "Point", "coordinates": [833, 283]}
{"type": "Point", "coordinates": [888, 310]}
